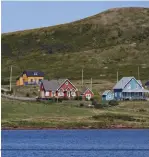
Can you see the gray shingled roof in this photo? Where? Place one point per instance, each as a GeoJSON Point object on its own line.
{"type": "Point", "coordinates": [51, 85]}
{"type": "Point", "coordinates": [121, 84]}
{"type": "Point", "coordinates": [106, 92]}
{"type": "Point", "coordinates": [139, 81]}
{"type": "Point", "coordinates": [84, 90]}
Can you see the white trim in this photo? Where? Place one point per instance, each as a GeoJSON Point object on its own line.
{"type": "Point", "coordinates": [47, 93]}
{"type": "Point", "coordinates": [135, 80]}
{"type": "Point", "coordinates": [69, 82]}
{"type": "Point", "coordinates": [89, 90]}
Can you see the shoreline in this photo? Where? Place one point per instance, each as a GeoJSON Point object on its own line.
{"type": "Point", "coordinates": [72, 128]}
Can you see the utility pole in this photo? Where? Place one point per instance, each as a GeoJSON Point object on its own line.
{"type": "Point", "coordinates": [138, 73]}
{"type": "Point", "coordinates": [117, 76]}
{"type": "Point", "coordinates": [82, 77]}
{"type": "Point", "coordinates": [91, 84]}
{"type": "Point", "coordinates": [10, 76]}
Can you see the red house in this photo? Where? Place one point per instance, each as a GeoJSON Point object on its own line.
{"type": "Point", "coordinates": [57, 88]}
{"type": "Point", "coordinates": [87, 93]}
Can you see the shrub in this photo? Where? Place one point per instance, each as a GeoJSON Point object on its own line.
{"type": "Point", "coordinates": [4, 82]}
{"type": "Point", "coordinates": [81, 105]}
{"type": "Point", "coordinates": [113, 103]}
{"type": "Point", "coordinates": [94, 102]}
{"type": "Point", "coordinates": [142, 110]}
{"type": "Point", "coordinates": [113, 116]}
{"type": "Point", "coordinates": [65, 98]}
{"type": "Point", "coordinates": [9, 92]}
{"type": "Point", "coordinates": [96, 97]}
{"type": "Point", "coordinates": [58, 99]}
{"type": "Point", "coordinates": [91, 99]}
{"type": "Point", "coordinates": [27, 95]}
{"type": "Point", "coordinates": [34, 93]}
{"type": "Point", "coordinates": [78, 98]}
{"type": "Point", "coordinates": [97, 106]}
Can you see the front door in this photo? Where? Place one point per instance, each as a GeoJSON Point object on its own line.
{"type": "Point", "coordinates": [68, 94]}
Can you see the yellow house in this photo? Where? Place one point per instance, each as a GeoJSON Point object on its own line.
{"type": "Point", "coordinates": [29, 77]}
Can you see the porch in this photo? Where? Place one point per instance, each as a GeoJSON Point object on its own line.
{"type": "Point", "coordinates": [141, 94]}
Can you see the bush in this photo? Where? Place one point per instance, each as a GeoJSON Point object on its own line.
{"type": "Point", "coordinates": [9, 92]}
{"type": "Point", "coordinates": [91, 99]}
{"type": "Point", "coordinates": [34, 93]}
{"type": "Point", "coordinates": [81, 105]}
{"type": "Point", "coordinates": [113, 103]}
{"type": "Point", "coordinates": [97, 106]}
{"type": "Point", "coordinates": [58, 100]}
{"type": "Point", "coordinates": [65, 98]}
{"type": "Point", "coordinates": [5, 82]}
{"type": "Point", "coordinates": [27, 95]}
{"type": "Point", "coordinates": [94, 102]}
{"type": "Point", "coordinates": [142, 110]}
{"type": "Point", "coordinates": [78, 98]}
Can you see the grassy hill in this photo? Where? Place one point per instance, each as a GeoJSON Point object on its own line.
{"type": "Point", "coordinates": [117, 39]}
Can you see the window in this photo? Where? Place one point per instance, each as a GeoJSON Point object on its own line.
{"type": "Point", "coordinates": [88, 95]}
{"type": "Point", "coordinates": [128, 86]}
{"type": "Point", "coordinates": [115, 94]}
{"type": "Point", "coordinates": [53, 93]}
{"type": "Point", "coordinates": [47, 94]}
{"type": "Point", "coordinates": [66, 83]}
{"type": "Point", "coordinates": [35, 73]}
{"type": "Point", "coordinates": [109, 96]}
{"type": "Point", "coordinates": [73, 93]}
{"type": "Point", "coordinates": [61, 93]}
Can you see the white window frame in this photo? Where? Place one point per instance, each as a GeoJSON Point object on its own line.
{"type": "Point", "coordinates": [66, 83]}
{"type": "Point", "coordinates": [46, 93]}
{"type": "Point", "coordinates": [35, 73]}
{"type": "Point", "coordinates": [53, 93]}
{"type": "Point", "coordinates": [128, 86]}
{"type": "Point", "coordinates": [73, 93]}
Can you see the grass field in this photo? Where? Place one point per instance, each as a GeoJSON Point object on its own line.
{"type": "Point", "coordinates": [102, 44]}
{"type": "Point", "coordinates": [17, 114]}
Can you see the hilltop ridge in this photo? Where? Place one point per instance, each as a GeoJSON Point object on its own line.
{"type": "Point", "coordinates": [116, 39]}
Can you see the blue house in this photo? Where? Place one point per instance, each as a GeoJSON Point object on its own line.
{"type": "Point", "coordinates": [107, 95]}
{"type": "Point", "coordinates": [128, 88]}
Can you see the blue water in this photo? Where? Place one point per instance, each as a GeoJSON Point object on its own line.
{"type": "Point", "coordinates": [75, 143]}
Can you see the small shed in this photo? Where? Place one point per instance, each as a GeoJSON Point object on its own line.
{"type": "Point", "coordinates": [87, 93]}
{"type": "Point", "coordinates": [107, 95]}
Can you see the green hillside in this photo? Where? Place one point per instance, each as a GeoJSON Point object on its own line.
{"type": "Point", "coordinates": [117, 39]}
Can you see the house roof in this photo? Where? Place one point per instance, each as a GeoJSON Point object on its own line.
{"type": "Point", "coordinates": [121, 84]}
{"type": "Point", "coordinates": [33, 73]}
{"type": "Point", "coordinates": [106, 92]}
{"type": "Point", "coordinates": [139, 81]}
{"type": "Point", "coordinates": [84, 89]}
{"type": "Point", "coordinates": [51, 85]}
